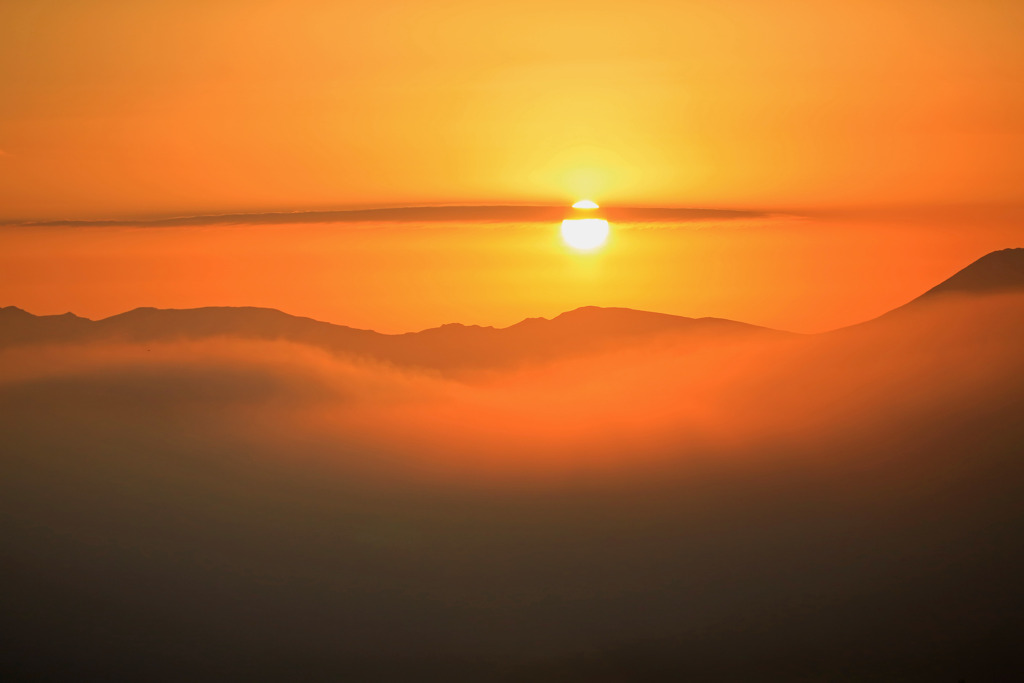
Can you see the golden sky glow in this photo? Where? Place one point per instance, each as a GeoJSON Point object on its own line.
{"type": "Point", "coordinates": [117, 108]}
{"type": "Point", "coordinates": [803, 111]}
{"type": "Point", "coordinates": [795, 273]}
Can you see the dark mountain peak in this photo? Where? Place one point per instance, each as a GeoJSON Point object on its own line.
{"type": "Point", "coordinates": [461, 326]}
{"type": "Point", "coordinates": [997, 271]}
{"type": "Point", "coordinates": [18, 326]}
{"type": "Point", "coordinates": [628, 321]}
{"type": "Point", "coordinates": [448, 330]}
{"type": "Point", "coordinates": [243, 321]}
{"type": "Point", "coordinates": [204, 311]}
{"type": "Point", "coordinates": [604, 316]}
{"type": "Point", "coordinates": [621, 320]}
{"type": "Point", "coordinates": [14, 312]}
{"type": "Point", "coordinates": [615, 313]}
{"type": "Point", "coordinates": [233, 314]}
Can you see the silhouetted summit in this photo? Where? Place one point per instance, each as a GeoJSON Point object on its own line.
{"type": "Point", "coordinates": [21, 327]}
{"type": "Point", "coordinates": [997, 271]}
{"type": "Point", "coordinates": [619, 321]}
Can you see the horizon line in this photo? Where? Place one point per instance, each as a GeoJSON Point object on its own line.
{"type": "Point", "coordinates": [389, 334]}
{"type": "Point", "coordinates": [469, 213]}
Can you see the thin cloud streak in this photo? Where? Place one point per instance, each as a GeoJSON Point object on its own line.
{"type": "Point", "coordinates": [423, 214]}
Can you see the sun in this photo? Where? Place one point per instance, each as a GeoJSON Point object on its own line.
{"type": "Point", "coordinates": [585, 234]}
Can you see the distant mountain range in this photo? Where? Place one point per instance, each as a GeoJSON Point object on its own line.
{"type": "Point", "coordinates": [585, 330]}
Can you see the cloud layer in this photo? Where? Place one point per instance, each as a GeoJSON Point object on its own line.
{"type": "Point", "coordinates": [262, 509]}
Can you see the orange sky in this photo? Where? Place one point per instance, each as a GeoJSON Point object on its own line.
{"type": "Point", "coordinates": [800, 273]}
{"type": "Point", "coordinates": [122, 109]}
{"type": "Point", "coordinates": [118, 108]}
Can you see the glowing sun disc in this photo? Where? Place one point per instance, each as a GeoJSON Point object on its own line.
{"type": "Point", "coordinates": [585, 204]}
{"type": "Point", "coordinates": [585, 233]}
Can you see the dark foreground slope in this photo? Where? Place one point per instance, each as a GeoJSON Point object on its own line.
{"type": "Point", "coordinates": [842, 507]}
{"type": "Point", "coordinates": [999, 271]}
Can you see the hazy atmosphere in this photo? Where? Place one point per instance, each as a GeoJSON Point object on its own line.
{"type": "Point", "coordinates": [518, 342]}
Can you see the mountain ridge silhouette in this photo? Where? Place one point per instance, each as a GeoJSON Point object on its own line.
{"type": "Point", "coordinates": [582, 330]}
{"type": "Point", "coordinates": [1001, 270]}
{"type": "Point", "coordinates": [454, 345]}
{"type": "Point", "coordinates": [997, 272]}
